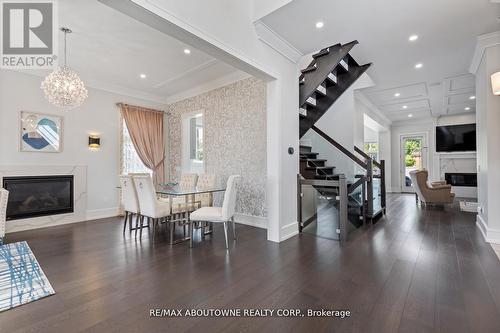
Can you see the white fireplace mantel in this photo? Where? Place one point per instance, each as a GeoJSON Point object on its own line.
{"type": "Point", "coordinates": [79, 173]}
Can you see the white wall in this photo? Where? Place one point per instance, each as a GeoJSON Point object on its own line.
{"type": "Point", "coordinates": [488, 138]}
{"type": "Point", "coordinates": [204, 25]}
{"type": "Point", "coordinates": [21, 92]}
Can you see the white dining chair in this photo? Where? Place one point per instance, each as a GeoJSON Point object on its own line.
{"type": "Point", "coordinates": [187, 182]}
{"type": "Point", "coordinates": [150, 206]}
{"type": "Point", "coordinates": [205, 181]}
{"type": "Point", "coordinates": [4, 196]}
{"type": "Point", "coordinates": [222, 214]}
{"type": "Point", "coordinates": [130, 202]}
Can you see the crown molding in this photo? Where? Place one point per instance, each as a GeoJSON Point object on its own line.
{"type": "Point", "coordinates": [269, 37]}
{"type": "Point", "coordinates": [483, 42]}
{"type": "Point", "coordinates": [209, 86]}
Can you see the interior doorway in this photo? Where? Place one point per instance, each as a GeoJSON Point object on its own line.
{"type": "Point", "coordinates": [413, 157]}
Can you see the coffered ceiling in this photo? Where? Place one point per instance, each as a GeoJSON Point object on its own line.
{"type": "Point", "coordinates": [446, 30]}
{"type": "Point", "coordinates": [452, 96]}
{"type": "Point", "coordinates": [111, 50]}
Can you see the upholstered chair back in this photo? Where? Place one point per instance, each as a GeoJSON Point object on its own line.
{"type": "Point", "coordinates": [130, 201]}
{"type": "Point", "coordinates": [188, 180]}
{"type": "Point", "coordinates": [4, 196]}
{"type": "Point", "coordinates": [419, 181]}
{"type": "Point", "coordinates": [147, 195]}
{"type": "Point", "coordinates": [229, 204]}
{"type": "Point", "coordinates": [205, 181]}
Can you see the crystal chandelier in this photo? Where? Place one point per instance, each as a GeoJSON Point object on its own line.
{"type": "Point", "coordinates": [63, 87]}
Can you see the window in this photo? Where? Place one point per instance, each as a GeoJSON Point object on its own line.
{"type": "Point", "coordinates": [130, 161]}
{"type": "Point", "coordinates": [371, 149]}
{"type": "Point", "coordinates": [192, 142]}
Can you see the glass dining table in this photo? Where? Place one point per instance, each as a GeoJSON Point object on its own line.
{"type": "Point", "coordinates": [189, 195]}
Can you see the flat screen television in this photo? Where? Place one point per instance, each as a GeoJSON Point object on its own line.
{"type": "Point", "coordinates": [455, 138]}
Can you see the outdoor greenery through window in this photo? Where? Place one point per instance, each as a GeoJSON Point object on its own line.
{"type": "Point", "coordinates": [413, 152]}
{"type": "Point", "coordinates": [371, 149]}
{"type": "Point", "coordinates": [131, 163]}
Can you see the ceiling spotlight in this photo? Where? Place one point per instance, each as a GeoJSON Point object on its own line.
{"type": "Point", "coordinates": [413, 38]}
{"type": "Point", "coordinates": [397, 94]}
{"type": "Point", "coordinates": [410, 115]}
{"type": "Point", "coordinates": [143, 76]}
{"type": "Point", "coordinates": [467, 108]}
{"type": "Point", "coordinates": [419, 65]}
{"type": "Point", "coordinates": [320, 25]}
{"type": "Point", "coordinates": [405, 106]}
{"type": "Point", "coordinates": [187, 51]}
{"type": "Point", "coordinates": [472, 97]}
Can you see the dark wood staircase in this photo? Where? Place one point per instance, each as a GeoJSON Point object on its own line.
{"type": "Point", "coordinates": [332, 71]}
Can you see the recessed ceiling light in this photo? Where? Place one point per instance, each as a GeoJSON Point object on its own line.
{"type": "Point", "coordinates": [410, 115]}
{"type": "Point", "coordinates": [187, 51]}
{"type": "Point", "coordinates": [397, 94]}
{"type": "Point", "coordinates": [467, 109]}
{"type": "Point", "coordinates": [405, 106]}
{"type": "Point", "coordinates": [413, 38]}
{"type": "Point", "coordinates": [142, 76]}
{"type": "Point", "coordinates": [419, 65]}
{"type": "Point", "coordinates": [472, 97]}
{"type": "Point", "coordinates": [320, 25]}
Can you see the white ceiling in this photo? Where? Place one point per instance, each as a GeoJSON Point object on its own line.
{"type": "Point", "coordinates": [110, 49]}
{"type": "Point", "coordinates": [447, 31]}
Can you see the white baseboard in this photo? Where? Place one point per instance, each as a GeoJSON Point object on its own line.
{"type": "Point", "coordinates": [490, 235]}
{"type": "Point", "coordinates": [251, 220]}
{"type": "Point", "coordinates": [289, 230]}
{"type": "Point", "coordinates": [96, 214]}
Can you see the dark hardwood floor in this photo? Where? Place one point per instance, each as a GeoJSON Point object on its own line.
{"type": "Point", "coordinates": [416, 270]}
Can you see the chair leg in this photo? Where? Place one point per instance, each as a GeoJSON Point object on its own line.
{"type": "Point", "coordinates": [234, 228]}
{"type": "Point", "coordinates": [125, 221]}
{"type": "Point", "coordinates": [225, 234]}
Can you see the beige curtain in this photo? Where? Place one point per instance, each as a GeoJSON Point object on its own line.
{"type": "Point", "coordinates": [146, 131]}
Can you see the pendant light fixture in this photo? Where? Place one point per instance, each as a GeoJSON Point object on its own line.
{"type": "Point", "coordinates": [63, 87]}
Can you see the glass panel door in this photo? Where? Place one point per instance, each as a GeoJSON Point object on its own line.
{"type": "Point", "coordinates": [412, 158]}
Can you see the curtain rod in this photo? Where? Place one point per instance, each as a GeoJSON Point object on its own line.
{"type": "Point", "coordinates": [140, 107]}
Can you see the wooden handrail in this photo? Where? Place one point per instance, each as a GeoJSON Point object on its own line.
{"type": "Point", "coordinates": [365, 155]}
{"type": "Point", "coordinates": [340, 147]}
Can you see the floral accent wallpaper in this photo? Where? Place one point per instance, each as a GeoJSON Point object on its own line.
{"type": "Point", "coordinates": [234, 139]}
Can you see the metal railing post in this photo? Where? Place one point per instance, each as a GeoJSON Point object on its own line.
{"type": "Point", "coordinates": [369, 189]}
{"type": "Point", "coordinates": [382, 184]}
{"type": "Point", "coordinates": [299, 202]}
{"type": "Point", "coordinates": [343, 207]}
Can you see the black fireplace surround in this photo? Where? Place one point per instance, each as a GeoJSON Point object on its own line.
{"type": "Point", "coordinates": [461, 179]}
{"type": "Point", "coordinates": [31, 196]}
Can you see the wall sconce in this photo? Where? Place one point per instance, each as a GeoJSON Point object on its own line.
{"type": "Point", "coordinates": [94, 142]}
{"type": "Point", "coordinates": [495, 83]}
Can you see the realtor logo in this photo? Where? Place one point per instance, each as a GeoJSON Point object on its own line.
{"type": "Point", "coordinates": [29, 34]}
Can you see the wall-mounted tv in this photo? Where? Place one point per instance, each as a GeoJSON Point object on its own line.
{"type": "Point", "coordinates": [455, 138]}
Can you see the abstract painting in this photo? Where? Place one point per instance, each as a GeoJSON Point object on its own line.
{"type": "Point", "coordinates": [21, 278]}
{"type": "Point", "coordinates": [40, 132]}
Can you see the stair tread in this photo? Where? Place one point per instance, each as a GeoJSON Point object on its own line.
{"type": "Point", "coordinates": [321, 53]}
{"type": "Point", "coordinates": [309, 69]}
{"type": "Point", "coordinates": [320, 168]}
{"type": "Point", "coordinates": [314, 160]}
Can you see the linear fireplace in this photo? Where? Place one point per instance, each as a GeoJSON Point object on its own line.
{"type": "Point", "coordinates": [31, 196]}
{"type": "Point", "coordinates": [461, 179]}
